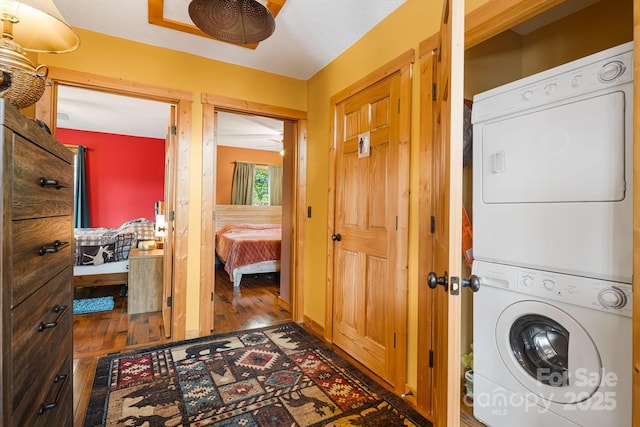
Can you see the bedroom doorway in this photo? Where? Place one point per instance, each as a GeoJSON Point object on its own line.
{"type": "Point", "coordinates": [247, 290]}
{"type": "Point", "coordinates": [175, 139]}
{"type": "Point", "coordinates": [284, 131]}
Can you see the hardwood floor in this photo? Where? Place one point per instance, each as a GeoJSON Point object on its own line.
{"type": "Point", "coordinates": [98, 334]}
{"type": "Point", "coordinates": [254, 305]}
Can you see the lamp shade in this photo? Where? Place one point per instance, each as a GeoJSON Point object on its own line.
{"type": "Point", "coordinates": [41, 28]}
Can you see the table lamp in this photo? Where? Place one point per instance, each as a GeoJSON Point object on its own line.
{"type": "Point", "coordinates": [29, 25]}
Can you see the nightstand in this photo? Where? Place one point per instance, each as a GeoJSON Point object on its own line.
{"type": "Point", "coordinates": [145, 280]}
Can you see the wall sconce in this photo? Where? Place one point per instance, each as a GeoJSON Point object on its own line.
{"type": "Point", "coordinates": [29, 25]}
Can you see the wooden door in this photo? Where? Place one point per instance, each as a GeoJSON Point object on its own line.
{"type": "Point", "coordinates": [446, 204]}
{"type": "Point", "coordinates": [169, 212]}
{"type": "Point", "coordinates": [366, 212]}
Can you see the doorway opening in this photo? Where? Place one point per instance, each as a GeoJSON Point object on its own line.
{"type": "Point", "coordinates": [279, 126]}
{"type": "Point", "coordinates": [249, 205]}
{"type": "Point", "coordinates": [167, 169]}
{"type": "Point", "coordinates": [119, 203]}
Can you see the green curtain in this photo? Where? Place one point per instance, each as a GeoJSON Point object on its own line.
{"type": "Point", "coordinates": [81, 194]}
{"type": "Point", "coordinates": [242, 186]}
{"type": "Point", "coordinates": [275, 185]}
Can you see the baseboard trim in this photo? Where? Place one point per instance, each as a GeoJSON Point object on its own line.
{"type": "Point", "coordinates": [314, 328]}
{"type": "Point", "coordinates": [284, 304]}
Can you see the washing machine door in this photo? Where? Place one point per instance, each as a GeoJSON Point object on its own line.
{"type": "Point", "coordinates": [548, 352]}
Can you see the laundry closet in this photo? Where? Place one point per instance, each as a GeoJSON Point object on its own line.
{"type": "Point", "coordinates": [573, 30]}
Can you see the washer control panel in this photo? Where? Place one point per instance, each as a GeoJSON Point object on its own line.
{"type": "Point", "coordinates": [586, 292]}
{"type": "Point", "coordinates": [612, 297]}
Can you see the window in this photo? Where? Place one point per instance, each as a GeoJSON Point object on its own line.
{"type": "Point", "coordinates": [261, 191]}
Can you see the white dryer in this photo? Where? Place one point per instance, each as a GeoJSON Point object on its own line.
{"type": "Point", "coordinates": [552, 169]}
{"type": "Point", "coordinates": [550, 349]}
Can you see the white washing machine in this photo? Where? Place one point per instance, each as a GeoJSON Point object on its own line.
{"type": "Point", "coordinates": [550, 349]}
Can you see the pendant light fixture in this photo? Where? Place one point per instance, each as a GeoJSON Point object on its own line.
{"type": "Point", "coordinates": [233, 21]}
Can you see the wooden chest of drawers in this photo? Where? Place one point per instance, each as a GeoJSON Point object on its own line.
{"type": "Point", "coordinates": [37, 281]}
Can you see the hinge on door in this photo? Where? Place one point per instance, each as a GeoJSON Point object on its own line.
{"type": "Point", "coordinates": [211, 296]}
{"type": "Point", "coordinates": [398, 105]}
{"type": "Point", "coordinates": [430, 358]}
{"type": "Point", "coordinates": [396, 222]}
{"type": "Point", "coordinates": [434, 91]}
{"type": "Point", "coordinates": [394, 340]}
{"type": "Point", "coordinates": [169, 301]}
{"type": "Point", "coordinates": [433, 224]}
{"type": "Point", "coordinates": [174, 130]}
{"type": "Point", "coordinates": [213, 215]}
{"type": "Point", "coordinates": [172, 215]}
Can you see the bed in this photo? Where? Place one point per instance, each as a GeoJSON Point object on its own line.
{"type": "Point", "coordinates": [248, 248]}
{"type": "Point", "coordinates": [101, 255]}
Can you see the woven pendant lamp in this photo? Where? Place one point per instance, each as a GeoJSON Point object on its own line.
{"type": "Point", "coordinates": [233, 21]}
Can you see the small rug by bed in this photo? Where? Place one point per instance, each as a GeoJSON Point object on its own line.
{"type": "Point", "coordinates": [274, 376]}
{"type": "Point", "coordinates": [92, 305]}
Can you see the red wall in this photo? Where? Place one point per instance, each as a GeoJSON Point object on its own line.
{"type": "Point", "coordinates": [125, 175]}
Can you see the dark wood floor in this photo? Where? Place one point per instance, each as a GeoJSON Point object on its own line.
{"type": "Point", "coordinates": [254, 305]}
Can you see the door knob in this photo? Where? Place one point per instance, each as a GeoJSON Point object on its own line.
{"type": "Point", "coordinates": [336, 237]}
{"type": "Point", "coordinates": [433, 280]}
{"type": "Point", "coordinates": [473, 282]}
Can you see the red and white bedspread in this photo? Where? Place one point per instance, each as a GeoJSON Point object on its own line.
{"type": "Point", "coordinates": [238, 245]}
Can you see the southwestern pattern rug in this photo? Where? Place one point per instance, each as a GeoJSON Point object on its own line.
{"type": "Point", "coordinates": [275, 376]}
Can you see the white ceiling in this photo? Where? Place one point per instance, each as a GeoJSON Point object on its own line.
{"type": "Point", "coordinates": [309, 34]}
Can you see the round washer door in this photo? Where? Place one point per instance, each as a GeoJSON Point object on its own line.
{"type": "Point", "coordinates": [548, 352]}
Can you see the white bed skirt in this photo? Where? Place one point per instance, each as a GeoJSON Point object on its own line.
{"type": "Point", "coordinates": [106, 268]}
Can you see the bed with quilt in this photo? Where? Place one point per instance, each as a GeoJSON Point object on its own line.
{"type": "Point", "coordinates": [101, 255]}
{"type": "Point", "coordinates": [249, 249]}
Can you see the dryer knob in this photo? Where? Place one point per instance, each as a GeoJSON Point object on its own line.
{"type": "Point", "coordinates": [612, 298]}
{"type": "Point", "coordinates": [611, 71]}
{"type": "Point", "coordinates": [576, 80]}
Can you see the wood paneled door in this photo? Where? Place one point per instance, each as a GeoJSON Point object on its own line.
{"type": "Point", "coordinates": [447, 118]}
{"type": "Point", "coordinates": [369, 253]}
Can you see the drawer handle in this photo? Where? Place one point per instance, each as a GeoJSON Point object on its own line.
{"type": "Point", "coordinates": [48, 406]}
{"type": "Point", "coordinates": [62, 310]}
{"type": "Point", "coordinates": [53, 248]}
{"type": "Point", "coordinates": [44, 182]}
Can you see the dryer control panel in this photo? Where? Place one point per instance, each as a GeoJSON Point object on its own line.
{"type": "Point", "coordinates": [612, 297]}
{"type": "Point", "coordinates": [600, 70]}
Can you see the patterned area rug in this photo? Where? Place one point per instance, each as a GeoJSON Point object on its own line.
{"type": "Point", "coordinates": [276, 376]}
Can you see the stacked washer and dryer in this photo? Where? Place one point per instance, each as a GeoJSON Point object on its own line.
{"type": "Point", "coordinates": [552, 213]}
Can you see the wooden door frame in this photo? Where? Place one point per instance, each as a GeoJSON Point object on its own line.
{"type": "Point", "coordinates": [403, 65]}
{"type": "Point", "coordinates": [46, 111]}
{"type": "Point", "coordinates": [484, 22]}
{"type": "Point", "coordinates": [210, 104]}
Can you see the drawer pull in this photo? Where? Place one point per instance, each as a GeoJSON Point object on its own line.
{"type": "Point", "coordinates": [48, 406]}
{"type": "Point", "coordinates": [62, 309]}
{"type": "Point", "coordinates": [44, 182]}
{"type": "Point", "coordinates": [53, 248]}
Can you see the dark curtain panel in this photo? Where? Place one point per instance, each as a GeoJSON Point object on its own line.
{"type": "Point", "coordinates": [81, 199]}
